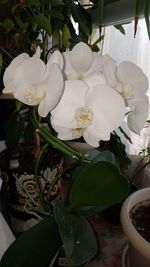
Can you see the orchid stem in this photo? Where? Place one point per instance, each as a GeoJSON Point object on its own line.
{"type": "Point", "coordinates": [55, 142]}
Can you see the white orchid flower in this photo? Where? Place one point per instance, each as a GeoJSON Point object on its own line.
{"type": "Point", "coordinates": [93, 114]}
{"type": "Point", "coordinates": [132, 84]}
{"type": "Point", "coordinates": [81, 62]}
{"type": "Point", "coordinates": [34, 83]}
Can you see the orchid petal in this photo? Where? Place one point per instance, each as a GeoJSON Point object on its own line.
{"type": "Point", "coordinates": [31, 70]}
{"type": "Point", "coordinates": [38, 52]}
{"type": "Point", "coordinates": [90, 139]}
{"type": "Point", "coordinates": [81, 57]}
{"type": "Point", "coordinates": [70, 73]}
{"type": "Point", "coordinates": [72, 98]}
{"type": "Point", "coordinates": [29, 94]}
{"type": "Point", "coordinates": [97, 64]}
{"type": "Point", "coordinates": [57, 58]}
{"type": "Point", "coordinates": [107, 102]}
{"type": "Point", "coordinates": [100, 128]}
{"type": "Point", "coordinates": [63, 133]}
{"type": "Point", "coordinates": [10, 70]}
{"type": "Point", "coordinates": [53, 86]}
{"type": "Point", "coordinates": [94, 79]}
{"type": "Point", "coordinates": [128, 72]}
{"type": "Point", "coordinates": [137, 118]}
{"type": "Point", "coordinates": [109, 70]}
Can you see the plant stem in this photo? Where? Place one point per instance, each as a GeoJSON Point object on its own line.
{"type": "Point", "coordinates": [37, 182]}
{"type": "Point", "coordinates": [55, 142]}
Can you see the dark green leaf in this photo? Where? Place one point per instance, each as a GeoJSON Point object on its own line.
{"type": "Point", "coordinates": [100, 11]}
{"type": "Point", "coordinates": [138, 6]}
{"type": "Point", "coordinates": [44, 23]}
{"type": "Point", "coordinates": [36, 247]}
{"type": "Point", "coordinates": [8, 24]}
{"type": "Point", "coordinates": [66, 36]}
{"type": "Point", "coordinates": [99, 184]}
{"type": "Point", "coordinates": [18, 105]}
{"type": "Point", "coordinates": [120, 28]}
{"type": "Point", "coordinates": [56, 14]}
{"type": "Point", "coordinates": [78, 236]}
{"type": "Point", "coordinates": [81, 16]}
{"type": "Point", "coordinates": [147, 14]}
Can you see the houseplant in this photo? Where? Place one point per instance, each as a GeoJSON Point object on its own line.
{"type": "Point", "coordinates": [138, 251]}
{"type": "Point", "coordinates": [85, 191]}
{"type": "Point", "coordinates": [88, 81]}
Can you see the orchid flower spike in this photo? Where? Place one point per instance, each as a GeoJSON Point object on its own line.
{"type": "Point", "coordinates": [132, 84]}
{"type": "Point", "coordinates": [34, 83]}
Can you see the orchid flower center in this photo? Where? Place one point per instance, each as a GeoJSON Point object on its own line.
{"type": "Point", "coordinates": [80, 76]}
{"type": "Point", "coordinates": [83, 117]}
{"type": "Point", "coordinates": [125, 90]}
{"type": "Point", "coordinates": [31, 97]}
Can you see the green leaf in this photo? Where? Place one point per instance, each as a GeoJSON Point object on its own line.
{"type": "Point", "coordinates": [8, 24]}
{"type": "Point", "coordinates": [138, 6]}
{"type": "Point", "coordinates": [44, 23]}
{"type": "Point", "coordinates": [36, 247]}
{"type": "Point", "coordinates": [120, 28]}
{"type": "Point", "coordinates": [147, 14]}
{"type": "Point", "coordinates": [77, 234]}
{"type": "Point", "coordinates": [18, 105]}
{"type": "Point", "coordinates": [98, 184]}
{"type": "Point", "coordinates": [56, 14]}
{"type": "Point", "coordinates": [66, 36]}
{"type": "Point", "coordinates": [100, 11]}
{"type": "Point", "coordinates": [81, 16]}
{"type": "Point", "coordinates": [56, 37]}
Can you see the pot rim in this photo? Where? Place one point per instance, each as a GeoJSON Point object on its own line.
{"type": "Point", "coordinates": [134, 237]}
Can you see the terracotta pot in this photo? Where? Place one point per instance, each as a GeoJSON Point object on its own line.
{"type": "Point", "coordinates": [139, 248]}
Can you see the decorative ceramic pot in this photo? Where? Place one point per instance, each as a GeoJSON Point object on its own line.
{"type": "Point", "coordinates": [139, 248]}
{"type": "Point", "coordinates": [24, 205]}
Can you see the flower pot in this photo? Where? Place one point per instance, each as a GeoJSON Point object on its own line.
{"type": "Point", "coordinates": [139, 248]}
{"type": "Point", "coordinates": [24, 205]}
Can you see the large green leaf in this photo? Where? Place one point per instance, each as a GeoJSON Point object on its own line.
{"type": "Point", "coordinates": [98, 184]}
{"type": "Point", "coordinates": [35, 248]}
{"type": "Point", "coordinates": [81, 16]}
{"type": "Point", "coordinates": [77, 234]}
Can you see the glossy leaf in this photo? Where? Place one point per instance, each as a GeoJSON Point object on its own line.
{"type": "Point", "coordinates": [77, 234]}
{"type": "Point", "coordinates": [81, 16]}
{"type": "Point", "coordinates": [44, 23]}
{"type": "Point", "coordinates": [99, 184]}
{"type": "Point", "coordinates": [36, 247]}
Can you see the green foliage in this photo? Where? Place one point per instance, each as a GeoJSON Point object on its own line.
{"type": "Point", "coordinates": [44, 23]}
{"type": "Point", "coordinates": [89, 186]}
{"type": "Point", "coordinates": [36, 247]}
{"type": "Point", "coordinates": [77, 234]}
{"type": "Point", "coordinates": [120, 28]}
